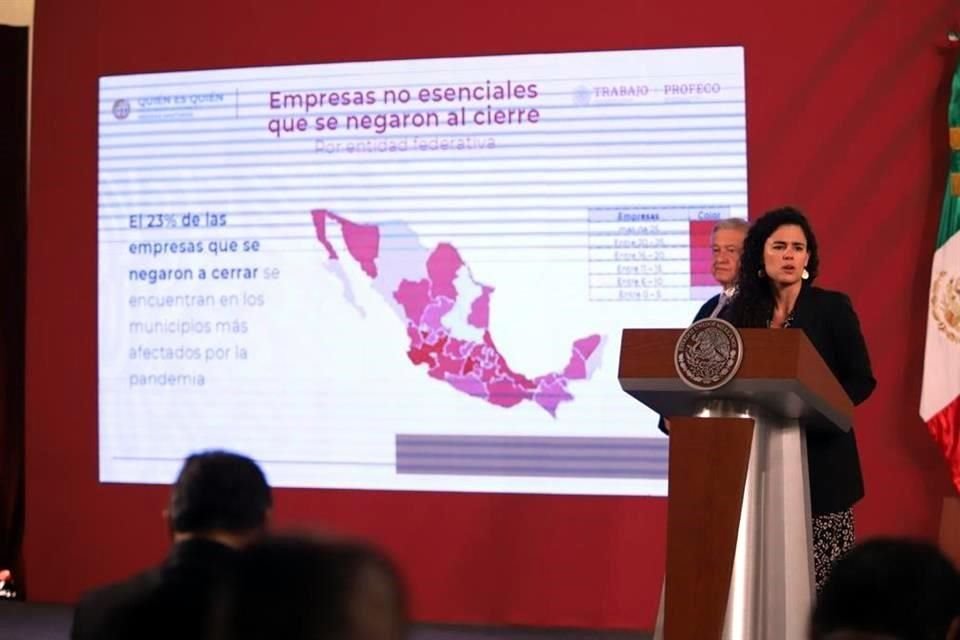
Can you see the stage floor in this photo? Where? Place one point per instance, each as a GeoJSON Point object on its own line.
{"type": "Point", "coordinates": [23, 621]}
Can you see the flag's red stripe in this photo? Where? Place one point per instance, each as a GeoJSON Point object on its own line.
{"type": "Point", "coordinates": [945, 428]}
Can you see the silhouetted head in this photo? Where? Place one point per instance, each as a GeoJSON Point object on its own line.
{"type": "Point", "coordinates": [889, 589]}
{"type": "Point", "coordinates": [305, 588]}
{"type": "Point", "coordinates": [219, 492]}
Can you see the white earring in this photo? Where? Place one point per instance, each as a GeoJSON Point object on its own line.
{"type": "Point", "coordinates": [806, 274]}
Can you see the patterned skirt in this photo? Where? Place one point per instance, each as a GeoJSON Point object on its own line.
{"type": "Point", "coordinates": [832, 538]}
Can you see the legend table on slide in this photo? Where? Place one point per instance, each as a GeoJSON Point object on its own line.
{"type": "Point", "coordinates": [651, 253]}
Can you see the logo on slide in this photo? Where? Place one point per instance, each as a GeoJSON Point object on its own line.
{"type": "Point", "coordinates": [581, 95]}
{"type": "Point", "coordinates": [708, 354]}
{"type": "Point", "coordinates": [121, 109]}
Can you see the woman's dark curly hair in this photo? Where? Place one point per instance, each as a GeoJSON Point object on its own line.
{"type": "Point", "coordinates": [753, 305]}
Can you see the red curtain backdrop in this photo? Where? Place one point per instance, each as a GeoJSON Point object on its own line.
{"type": "Point", "coordinates": [846, 119]}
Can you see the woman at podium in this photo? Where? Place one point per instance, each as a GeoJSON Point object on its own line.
{"type": "Point", "coordinates": [777, 270]}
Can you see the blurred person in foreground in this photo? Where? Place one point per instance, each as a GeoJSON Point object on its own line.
{"type": "Point", "coordinates": [220, 503]}
{"type": "Point", "coordinates": [295, 587]}
{"type": "Point", "coordinates": [889, 589]}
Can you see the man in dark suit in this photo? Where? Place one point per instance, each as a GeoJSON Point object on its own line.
{"type": "Point", "coordinates": [726, 246]}
{"type": "Point", "coordinates": [219, 504]}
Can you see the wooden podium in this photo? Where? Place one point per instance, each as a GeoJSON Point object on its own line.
{"type": "Point", "coordinates": [739, 553]}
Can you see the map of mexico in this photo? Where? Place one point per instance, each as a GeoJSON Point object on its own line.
{"type": "Point", "coordinates": [447, 315]}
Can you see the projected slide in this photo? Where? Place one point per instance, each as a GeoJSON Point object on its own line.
{"type": "Point", "coordinates": [407, 275]}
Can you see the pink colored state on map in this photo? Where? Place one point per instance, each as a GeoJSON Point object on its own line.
{"type": "Point", "coordinates": [476, 368]}
{"type": "Point", "coordinates": [362, 240]}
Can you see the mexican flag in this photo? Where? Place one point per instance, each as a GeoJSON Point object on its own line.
{"type": "Point", "coordinates": [940, 397]}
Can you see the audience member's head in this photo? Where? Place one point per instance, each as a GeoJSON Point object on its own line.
{"type": "Point", "coordinates": [888, 589]}
{"type": "Point", "coordinates": [219, 495]}
{"type": "Point", "coordinates": [300, 588]}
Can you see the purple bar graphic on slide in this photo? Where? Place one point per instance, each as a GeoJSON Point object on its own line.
{"type": "Point", "coordinates": [560, 457]}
